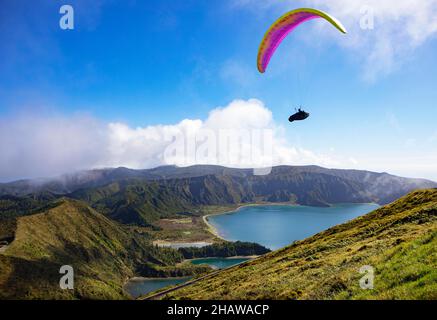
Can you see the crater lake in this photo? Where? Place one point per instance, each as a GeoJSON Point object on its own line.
{"type": "Point", "coordinates": [276, 226]}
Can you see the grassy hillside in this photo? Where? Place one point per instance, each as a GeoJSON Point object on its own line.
{"type": "Point", "coordinates": [103, 253]}
{"type": "Point", "coordinates": [398, 240]}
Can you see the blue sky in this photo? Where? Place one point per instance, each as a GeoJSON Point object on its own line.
{"type": "Point", "coordinates": [371, 94]}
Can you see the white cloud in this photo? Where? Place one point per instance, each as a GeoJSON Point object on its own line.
{"type": "Point", "coordinates": [239, 122]}
{"type": "Point", "coordinates": [400, 27]}
{"type": "Point", "coordinates": [407, 164]}
{"type": "Point", "coordinates": [38, 146]}
{"type": "Point", "coordinates": [35, 146]}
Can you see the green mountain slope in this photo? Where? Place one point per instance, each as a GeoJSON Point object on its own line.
{"type": "Point", "coordinates": [398, 240]}
{"type": "Point", "coordinates": [13, 206]}
{"type": "Point", "coordinates": [137, 201]}
{"type": "Point", "coordinates": [103, 254]}
{"type": "Point", "coordinates": [143, 202]}
{"type": "Point", "coordinates": [143, 196]}
{"type": "Point", "coordinates": [387, 187]}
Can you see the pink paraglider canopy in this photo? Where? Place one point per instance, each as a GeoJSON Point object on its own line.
{"type": "Point", "coordinates": [283, 26]}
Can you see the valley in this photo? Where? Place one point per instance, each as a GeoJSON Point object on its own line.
{"type": "Point", "coordinates": [113, 225]}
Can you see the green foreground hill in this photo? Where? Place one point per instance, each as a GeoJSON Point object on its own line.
{"type": "Point", "coordinates": [398, 240]}
{"type": "Point", "coordinates": [103, 253]}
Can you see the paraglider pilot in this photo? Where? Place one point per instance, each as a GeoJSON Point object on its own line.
{"type": "Point", "coordinates": [299, 115]}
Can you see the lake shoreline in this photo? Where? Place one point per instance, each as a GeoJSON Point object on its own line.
{"type": "Point", "coordinates": [139, 279]}
{"type": "Point", "coordinates": [214, 230]}
{"type": "Point", "coordinates": [300, 223]}
{"type": "Point", "coordinates": [217, 237]}
{"type": "Point", "coordinates": [133, 281]}
{"type": "Point", "coordinates": [225, 258]}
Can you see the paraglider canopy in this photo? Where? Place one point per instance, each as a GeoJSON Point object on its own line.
{"type": "Point", "coordinates": [283, 26]}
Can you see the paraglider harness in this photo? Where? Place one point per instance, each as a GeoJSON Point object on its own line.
{"type": "Point", "coordinates": [299, 115]}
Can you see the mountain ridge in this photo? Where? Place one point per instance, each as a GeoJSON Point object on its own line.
{"type": "Point", "coordinates": [141, 197]}
{"type": "Point", "coordinates": [69, 183]}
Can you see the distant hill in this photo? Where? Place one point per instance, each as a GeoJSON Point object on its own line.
{"type": "Point", "coordinates": [15, 206]}
{"type": "Point", "coordinates": [103, 254]}
{"type": "Point", "coordinates": [397, 240]}
{"type": "Point", "coordinates": [143, 196]}
{"type": "Point", "coordinates": [68, 183]}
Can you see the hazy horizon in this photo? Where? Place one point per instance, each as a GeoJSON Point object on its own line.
{"type": "Point", "coordinates": [140, 169]}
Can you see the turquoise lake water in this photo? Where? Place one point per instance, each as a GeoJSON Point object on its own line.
{"type": "Point", "coordinates": [140, 287]}
{"type": "Point", "coordinates": [278, 226]}
{"type": "Point", "coordinates": [272, 226]}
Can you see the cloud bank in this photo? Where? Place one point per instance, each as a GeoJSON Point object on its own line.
{"type": "Point", "coordinates": [36, 146]}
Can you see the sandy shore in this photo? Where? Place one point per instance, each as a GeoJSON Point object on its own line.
{"type": "Point", "coordinates": [210, 227]}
